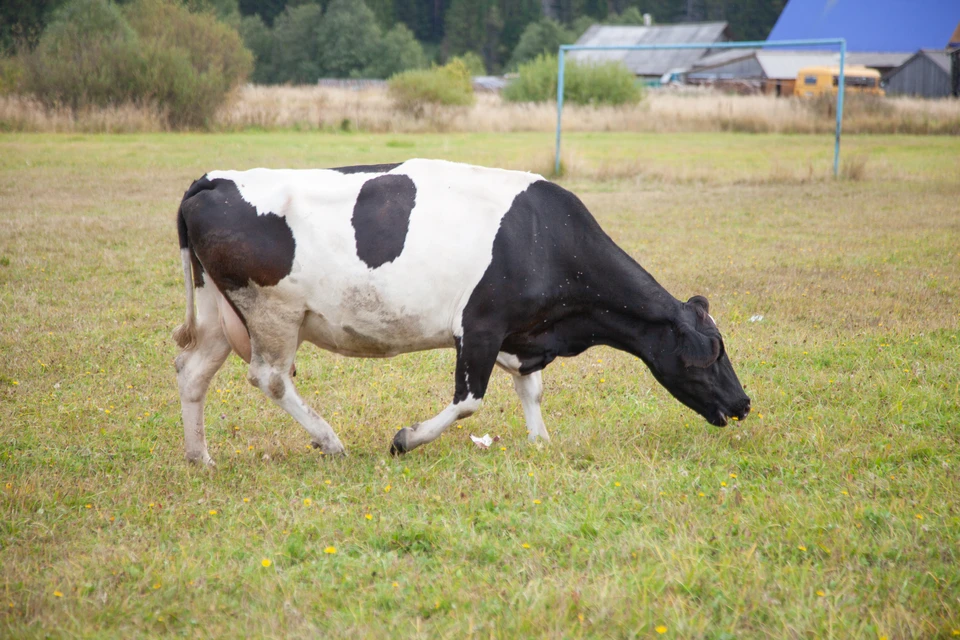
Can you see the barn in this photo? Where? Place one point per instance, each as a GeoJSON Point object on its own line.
{"type": "Point", "coordinates": [650, 65]}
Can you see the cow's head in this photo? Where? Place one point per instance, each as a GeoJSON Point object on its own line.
{"type": "Point", "coordinates": [688, 358]}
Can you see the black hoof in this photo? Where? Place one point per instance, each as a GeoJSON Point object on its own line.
{"type": "Point", "coordinates": [399, 445]}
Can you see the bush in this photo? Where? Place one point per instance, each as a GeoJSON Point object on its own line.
{"type": "Point", "coordinates": [193, 60]}
{"type": "Point", "coordinates": [609, 83]}
{"type": "Point", "coordinates": [412, 91]}
{"type": "Point", "coordinates": [87, 55]}
{"type": "Point", "coordinates": [473, 62]}
{"type": "Point", "coordinates": [155, 52]}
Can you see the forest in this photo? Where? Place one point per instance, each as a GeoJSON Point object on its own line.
{"type": "Point", "coordinates": [301, 40]}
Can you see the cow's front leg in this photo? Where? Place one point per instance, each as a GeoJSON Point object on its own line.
{"type": "Point", "coordinates": [530, 390]}
{"type": "Point", "coordinates": [476, 355]}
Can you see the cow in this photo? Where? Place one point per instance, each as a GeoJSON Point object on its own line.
{"type": "Point", "coordinates": [506, 267]}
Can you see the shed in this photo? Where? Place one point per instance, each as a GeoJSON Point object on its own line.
{"type": "Point", "coordinates": [926, 74]}
{"type": "Point", "coordinates": [651, 64]}
{"type": "Point", "coordinates": [753, 70]}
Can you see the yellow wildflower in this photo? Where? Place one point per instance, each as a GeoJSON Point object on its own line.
{"type": "Point", "coordinates": [266, 562]}
{"type": "Point", "coordinates": [330, 549]}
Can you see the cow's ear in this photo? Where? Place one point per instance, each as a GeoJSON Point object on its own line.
{"type": "Point", "coordinates": [701, 302]}
{"type": "Point", "coordinates": [698, 350]}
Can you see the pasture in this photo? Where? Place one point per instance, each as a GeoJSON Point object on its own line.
{"type": "Point", "coordinates": [832, 511]}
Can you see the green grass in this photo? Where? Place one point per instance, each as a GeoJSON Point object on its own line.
{"type": "Point", "coordinates": [832, 511]}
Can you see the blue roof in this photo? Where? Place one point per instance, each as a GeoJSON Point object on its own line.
{"type": "Point", "coordinates": [871, 25]}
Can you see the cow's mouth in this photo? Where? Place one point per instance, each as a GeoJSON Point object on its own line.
{"type": "Point", "coordinates": [738, 412]}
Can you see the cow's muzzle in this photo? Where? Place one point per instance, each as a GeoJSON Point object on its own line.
{"type": "Point", "coordinates": [738, 411]}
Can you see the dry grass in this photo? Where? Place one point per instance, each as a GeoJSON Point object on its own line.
{"type": "Point", "coordinates": [371, 110]}
{"type": "Point", "coordinates": [18, 113]}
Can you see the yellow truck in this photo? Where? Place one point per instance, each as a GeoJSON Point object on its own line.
{"type": "Point", "coordinates": [816, 81]}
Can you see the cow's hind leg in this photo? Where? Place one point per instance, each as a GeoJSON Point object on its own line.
{"type": "Point", "coordinates": [476, 355]}
{"type": "Point", "coordinates": [196, 365]}
{"type": "Point", "coordinates": [530, 389]}
{"type": "Point", "coordinates": [271, 364]}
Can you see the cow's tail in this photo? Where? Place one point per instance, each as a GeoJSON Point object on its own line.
{"type": "Point", "coordinates": [186, 334]}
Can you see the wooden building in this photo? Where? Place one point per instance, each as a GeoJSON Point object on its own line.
{"type": "Point", "coordinates": [925, 74]}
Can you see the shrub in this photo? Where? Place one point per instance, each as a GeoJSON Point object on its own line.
{"type": "Point", "coordinates": [473, 62]}
{"type": "Point", "coordinates": [412, 91]}
{"type": "Point", "coordinates": [87, 55]}
{"type": "Point", "coordinates": [154, 52]}
{"type": "Point", "coordinates": [193, 60]}
{"type": "Point", "coordinates": [609, 83]}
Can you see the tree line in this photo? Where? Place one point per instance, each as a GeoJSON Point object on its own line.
{"type": "Point", "coordinates": [302, 40]}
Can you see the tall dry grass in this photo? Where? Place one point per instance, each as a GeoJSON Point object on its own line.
{"type": "Point", "coordinates": [371, 110]}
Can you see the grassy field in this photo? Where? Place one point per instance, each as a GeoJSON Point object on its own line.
{"type": "Point", "coordinates": [833, 511]}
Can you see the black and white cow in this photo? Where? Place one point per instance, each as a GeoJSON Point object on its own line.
{"type": "Point", "coordinates": [373, 261]}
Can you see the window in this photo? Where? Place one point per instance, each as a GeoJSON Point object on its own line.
{"type": "Point", "coordinates": [810, 80]}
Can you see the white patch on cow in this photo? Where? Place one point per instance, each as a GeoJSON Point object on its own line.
{"type": "Point", "coordinates": [530, 390]}
{"type": "Point", "coordinates": [413, 303]}
{"type": "Point", "coordinates": [430, 430]}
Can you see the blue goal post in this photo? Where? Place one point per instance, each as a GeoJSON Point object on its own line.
{"type": "Point", "coordinates": [782, 44]}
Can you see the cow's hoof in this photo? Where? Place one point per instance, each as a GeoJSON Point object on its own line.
{"type": "Point", "coordinates": [399, 445]}
{"type": "Point", "coordinates": [337, 451]}
{"type": "Point", "coordinates": [201, 459]}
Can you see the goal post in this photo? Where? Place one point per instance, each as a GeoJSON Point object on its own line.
{"type": "Point", "coordinates": [778, 44]}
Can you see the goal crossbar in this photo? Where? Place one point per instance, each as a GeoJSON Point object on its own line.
{"type": "Point", "coordinates": [781, 44]}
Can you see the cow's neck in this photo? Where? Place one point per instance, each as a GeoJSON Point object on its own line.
{"type": "Point", "coordinates": [624, 304]}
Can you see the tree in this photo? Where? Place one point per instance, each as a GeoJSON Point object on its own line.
{"type": "Point", "coordinates": [22, 21]}
{"type": "Point", "coordinates": [630, 16]}
{"type": "Point", "coordinates": [543, 36]}
{"type": "Point", "coordinates": [348, 37]}
{"type": "Point", "coordinates": [399, 51]}
{"type": "Point", "coordinates": [296, 49]}
{"type": "Point", "coordinates": [259, 39]}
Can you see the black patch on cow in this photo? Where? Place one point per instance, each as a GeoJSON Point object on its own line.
{"type": "Point", "coordinates": [381, 218]}
{"type": "Point", "coordinates": [367, 168]}
{"type": "Point", "coordinates": [234, 243]}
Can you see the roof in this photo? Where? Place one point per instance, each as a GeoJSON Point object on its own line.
{"type": "Point", "coordinates": [939, 58]}
{"type": "Point", "coordinates": [871, 25]}
{"type": "Point", "coordinates": [878, 60]}
{"type": "Point", "coordinates": [650, 63]}
{"type": "Point", "coordinates": [773, 64]}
